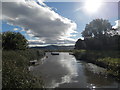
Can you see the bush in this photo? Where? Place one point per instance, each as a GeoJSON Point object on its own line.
{"type": "Point", "coordinates": [107, 59]}
{"type": "Point", "coordinates": [13, 41]}
{"type": "Point", "coordinates": [15, 69]}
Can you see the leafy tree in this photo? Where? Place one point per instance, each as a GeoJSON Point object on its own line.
{"type": "Point", "coordinates": [96, 28]}
{"type": "Point", "coordinates": [99, 35]}
{"type": "Point", "coordinates": [13, 40]}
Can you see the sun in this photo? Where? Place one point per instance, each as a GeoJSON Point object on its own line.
{"type": "Point", "coordinates": [92, 6]}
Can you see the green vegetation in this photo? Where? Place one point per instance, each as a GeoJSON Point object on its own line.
{"type": "Point", "coordinates": [97, 36]}
{"type": "Point", "coordinates": [15, 69]}
{"type": "Point", "coordinates": [13, 41]}
{"type": "Point", "coordinates": [97, 28]}
{"type": "Point", "coordinates": [15, 62]}
{"type": "Point", "coordinates": [100, 46]}
{"type": "Point", "coordinates": [113, 65]}
{"type": "Point", "coordinates": [107, 59]}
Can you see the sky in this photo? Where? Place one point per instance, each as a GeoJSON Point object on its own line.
{"type": "Point", "coordinates": [59, 23]}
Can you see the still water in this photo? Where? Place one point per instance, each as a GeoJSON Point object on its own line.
{"type": "Point", "coordinates": [64, 71]}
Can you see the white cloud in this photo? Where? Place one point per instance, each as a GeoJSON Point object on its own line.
{"type": "Point", "coordinates": [116, 27]}
{"type": "Point", "coordinates": [41, 1]}
{"type": "Point", "coordinates": [59, 0]}
{"type": "Point", "coordinates": [35, 42]}
{"type": "Point", "coordinates": [15, 29]}
{"type": "Point", "coordinates": [78, 0]}
{"type": "Point", "coordinates": [40, 21]}
{"type": "Point", "coordinates": [117, 24]}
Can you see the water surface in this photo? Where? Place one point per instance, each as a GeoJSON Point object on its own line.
{"type": "Point", "coordinates": [64, 71]}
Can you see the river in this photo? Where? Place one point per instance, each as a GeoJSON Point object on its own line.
{"type": "Point", "coordinates": [64, 71]}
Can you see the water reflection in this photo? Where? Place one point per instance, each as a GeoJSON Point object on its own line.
{"type": "Point", "coordinates": [64, 71]}
{"type": "Point", "coordinates": [97, 77]}
{"type": "Point", "coordinates": [57, 70]}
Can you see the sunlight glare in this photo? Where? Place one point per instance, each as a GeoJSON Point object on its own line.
{"type": "Point", "coordinates": [92, 6]}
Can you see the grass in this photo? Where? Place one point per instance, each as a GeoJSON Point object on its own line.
{"type": "Point", "coordinates": [113, 65]}
{"type": "Point", "coordinates": [110, 61]}
{"type": "Point", "coordinates": [15, 69]}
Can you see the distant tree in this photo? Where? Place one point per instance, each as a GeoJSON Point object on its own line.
{"type": "Point", "coordinates": [96, 28]}
{"type": "Point", "coordinates": [13, 40]}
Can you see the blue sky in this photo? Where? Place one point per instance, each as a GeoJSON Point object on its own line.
{"type": "Point", "coordinates": [74, 12]}
{"type": "Point", "coordinates": [109, 11]}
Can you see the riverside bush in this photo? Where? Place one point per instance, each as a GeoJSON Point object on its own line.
{"type": "Point", "coordinates": [107, 59]}
{"type": "Point", "coordinates": [15, 72]}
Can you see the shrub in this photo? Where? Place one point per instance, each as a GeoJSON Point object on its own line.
{"type": "Point", "coordinates": [13, 40]}
{"type": "Point", "coordinates": [15, 69]}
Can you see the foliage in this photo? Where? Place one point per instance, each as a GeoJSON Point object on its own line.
{"type": "Point", "coordinates": [107, 59]}
{"type": "Point", "coordinates": [96, 28]}
{"type": "Point", "coordinates": [96, 37]}
{"type": "Point", "coordinates": [103, 43]}
{"type": "Point", "coordinates": [95, 54]}
{"type": "Point", "coordinates": [15, 69]}
{"type": "Point", "coordinates": [113, 64]}
{"type": "Point", "coordinates": [13, 41]}
{"type": "Point", "coordinates": [80, 44]}
{"type": "Point", "coordinates": [101, 46]}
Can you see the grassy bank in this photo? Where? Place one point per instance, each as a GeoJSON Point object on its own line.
{"type": "Point", "coordinates": [107, 59]}
{"type": "Point", "coordinates": [15, 69]}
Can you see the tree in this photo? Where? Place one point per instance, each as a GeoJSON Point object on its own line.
{"type": "Point", "coordinates": [13, 41]}
{"type": "Point", "coordinates": [99, 35]}
{"type": "Point", "coordinates": [80, 44]}
{"type": "Point", "coordinates": [97, 28]}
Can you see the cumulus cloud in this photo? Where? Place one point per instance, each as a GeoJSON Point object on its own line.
{"type": "Point", "coordinates": [78, 0]}
{"type": "Point", "coordinates": [116, 30]}
{"type": "Point", "coordinates": [39, 21]}
{"type": "Point", "coordinates": [117, 24]}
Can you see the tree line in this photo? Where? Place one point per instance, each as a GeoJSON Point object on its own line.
{"type": "Point", "coordinates": [99, 35]}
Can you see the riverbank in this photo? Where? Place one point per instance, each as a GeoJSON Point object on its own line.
{"type": "Point", "coordinates": [15, 65]}
{"type": "Point", "coordinates": [106, 59]}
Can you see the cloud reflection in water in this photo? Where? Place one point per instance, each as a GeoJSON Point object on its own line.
{"type": "Point", "coordinates": [69, 64]}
